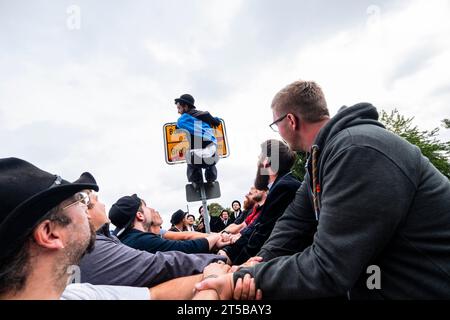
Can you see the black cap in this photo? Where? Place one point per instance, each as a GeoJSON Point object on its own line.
{"type": "Point", "coordinates": [122, 212]}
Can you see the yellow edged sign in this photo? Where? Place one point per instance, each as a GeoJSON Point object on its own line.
{"type": "Point", "coordinates": [176, 143]}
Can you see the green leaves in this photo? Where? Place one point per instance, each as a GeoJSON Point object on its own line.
{"type": "Point", "coordinates": [436, 151]}
{"type": "Point", "coordinates": [298, 169]}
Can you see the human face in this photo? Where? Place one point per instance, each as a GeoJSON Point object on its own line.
{"type": "Point", "coordinates": [156, 217]}
{"type": "Point", "coordinates": [274, 124]}
{"type": "Point", "coordinates": [262, 173]}
{"type": "Point", "coordinates": [286, 128]}
{"type": "Point", "coordinates": [236, 206]}
{"type": "Point", "coordinates": [147, 217]}
{"type": "Point", "coordinates": [255, 195]}
{"type": "Point", "coordinates": [78, 198]}
{"type": "Point", "coordinates": [224, 215]}
{"type": "Point", "coordinates": [190, 220]}
{"type": "Point", "coordinates": [80, 232]}
{"type": "Point", "coordinates": [181, 108]}
{"type": "Point", "coordinates": [151, 217]}
{"type": "Point", "coordinates": [97, 211]}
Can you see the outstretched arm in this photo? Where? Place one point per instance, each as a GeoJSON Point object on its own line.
{"type": "Point", "coordinates": [185, 235]}
{"type": "Point", "coordinates": [176, 289]}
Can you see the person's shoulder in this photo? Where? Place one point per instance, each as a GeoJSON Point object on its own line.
{"type": "Point", "coordinates": [362, 135]}
{"type": "Point", "coordinates": [287, 181]}
{"type": "Point", "coordinates": [143, 236]}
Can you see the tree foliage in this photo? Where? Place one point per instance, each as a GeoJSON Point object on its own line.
{"type": "Point", "coordinates": [436, 151]}
{"type": "Point", "coordinates": [446, 123]}
{"type": "Point", "coordinates": [214, 209]}
{"type": "Point", "coordinates": [298, 169]}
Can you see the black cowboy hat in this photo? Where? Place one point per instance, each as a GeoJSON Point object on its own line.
{"type": "Point", "coordinates": [122, 212]}
{"type": "Point", "coordinates": [27, 193]}
{"type": "Point", "coordinates": [177, 217]}
{"type": "Point", "coordinates": [186, 99]}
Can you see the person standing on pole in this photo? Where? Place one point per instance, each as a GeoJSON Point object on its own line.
{"type": "Point", "coordinates": [202, 153]}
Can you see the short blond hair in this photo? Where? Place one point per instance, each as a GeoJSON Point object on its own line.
{"type": "Point", "coordinates": [304, 99]}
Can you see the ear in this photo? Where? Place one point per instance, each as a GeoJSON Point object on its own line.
{"type": "Point", "coordinates": [49, 235]}
{"type": "Point", "coordinates": [140, 216]}
{"type": "Point", "coordinates": [293, 121]}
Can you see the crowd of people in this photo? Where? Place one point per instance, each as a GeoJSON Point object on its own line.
{"type": "Point", "coordinates": [369, 198]}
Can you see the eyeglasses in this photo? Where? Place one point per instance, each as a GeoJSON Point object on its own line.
{"type": "Point", "coordinates": [274, 125]}
{"type": "Point", "coordinates": [80, 197]}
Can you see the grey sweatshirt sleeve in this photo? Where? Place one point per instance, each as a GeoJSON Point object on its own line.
{"type": "Point", "coordinates": [113, 263]}
{"type": "Point", "coordinates": [294, 230]}
{"type": "Point", "coordinates": [365, 197]}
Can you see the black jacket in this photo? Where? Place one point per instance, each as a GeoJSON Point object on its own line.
{"type": "Point", "coordinates": [153, 243]}
{"type": "Point", "coordinates": [382, 203]}
{"type": "Point", "coordinates": [279, 197]}
{"type": "Point", "coordinates": [242, 216]}
{"type": "Point", "coordinates": [216, 224]}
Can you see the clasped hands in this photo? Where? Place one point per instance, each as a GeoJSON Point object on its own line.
{"type": "Point", "coordinates": [218, 282]}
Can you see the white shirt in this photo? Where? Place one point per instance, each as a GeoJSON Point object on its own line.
{"type": "Point", "coordinates": [87, 291]}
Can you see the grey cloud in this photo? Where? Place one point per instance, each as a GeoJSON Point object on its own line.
{"type": "Point", "coordinates": [43, 142]}
{"type": "Point", "coordinates": [414, 61]}
{"type": "Point", "coordinates": [441, 91]}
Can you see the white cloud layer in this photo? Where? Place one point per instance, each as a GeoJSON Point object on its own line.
{"type": "Point", "coordinates": [95, 98]}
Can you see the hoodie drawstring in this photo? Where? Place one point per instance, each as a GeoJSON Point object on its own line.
{"type": "Point", "coordinates": [315, 178]}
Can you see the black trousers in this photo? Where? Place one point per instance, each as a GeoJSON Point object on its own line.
{"type": "Point", "coordinates": [195, 165]}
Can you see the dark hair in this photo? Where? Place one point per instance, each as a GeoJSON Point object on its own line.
{"type": "Point", "coordinates": [15, 266]}
{"type": "Point", "coordinates": [190, 215]}
{"type": "Point", "coordinates": [141, 210]}
{"type": "Point", "coordinates": [224, 210]}
{"type": "Point", "coordinates": [200, 210]}
{"type": "Point", "coordinates": [286, 157]}
{"type": "Point", "coordinates": [190, 107]}
{"type": "Point", "coordinates": [235, 201]}
{"type": "Point", "coordinates": [304, 99]}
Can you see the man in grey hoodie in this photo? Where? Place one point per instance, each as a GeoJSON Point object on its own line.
{"type": "Point", "coordinates": [371, 220]}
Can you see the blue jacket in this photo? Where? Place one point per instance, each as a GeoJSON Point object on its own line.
{"type": "Point", "coordinates": [199, 124]}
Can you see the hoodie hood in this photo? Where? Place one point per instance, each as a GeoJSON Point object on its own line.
{"type": "Point", "coordinates": [361, 113]}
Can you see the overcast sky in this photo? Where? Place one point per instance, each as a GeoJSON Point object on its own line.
{"type": "Point", "coordinates": [88, 85]}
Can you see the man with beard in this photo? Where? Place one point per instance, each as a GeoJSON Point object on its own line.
{"type": "Point", "coordinates": [253, 203]}
{"type": "Point", "coordinates": [44, 229]}
{"type": "Point", "coordinates": [274, 165]}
